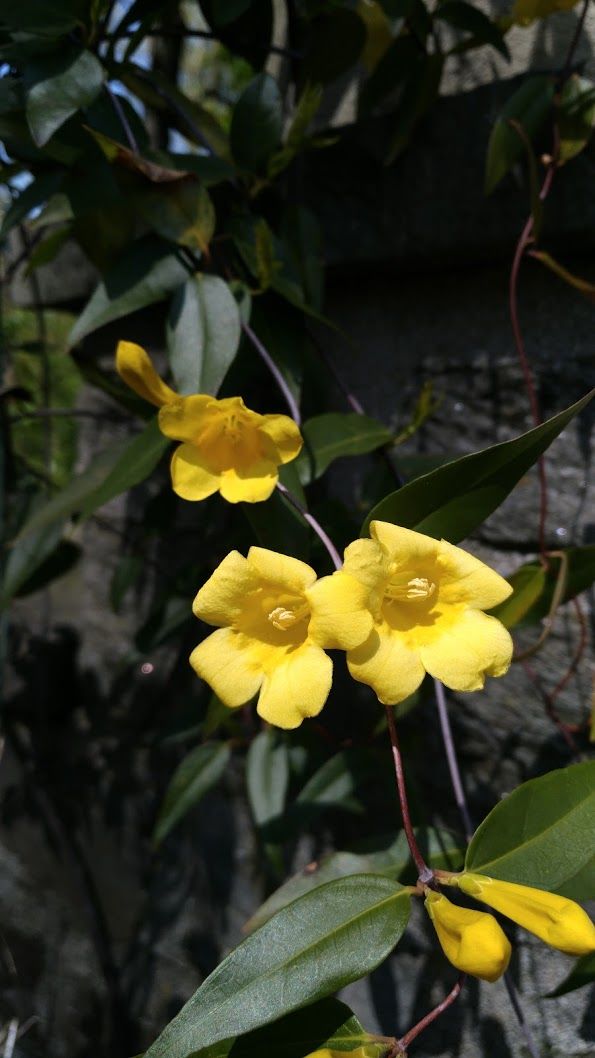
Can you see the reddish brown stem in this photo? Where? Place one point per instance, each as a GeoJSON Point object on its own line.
{"type": "Point", "coordinates": [429, 1018]}
{"type": "Point", "coordinates": [425, 873]}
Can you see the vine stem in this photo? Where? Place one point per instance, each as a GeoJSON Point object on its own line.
{"type": "Point", "coordinates": [448, 1000]}
{"type": "Point", "coordinates": [124, 122]}
{"type": "Point", "coordinates": [312, 521]}
{"type": "Point", "coordinates": [294, 411]}
{"type": "Point", "coordinates": [425, 873]}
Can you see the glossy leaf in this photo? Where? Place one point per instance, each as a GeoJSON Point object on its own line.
{"type": "Point", "coordinates": [534, 587]}
{"type": "Point", "coordinates": [542, 834]}
{"type": "Point", "coordinates": [575, 116]}
{"type": "Point", "coordinates": [328, 1024]}
{"type": "Point", "coordinates": [391, 860]}
{"type": "Point", "coordinates": [453, 500]}
{"type": "Point", "coordinates": [256, 123]}
{"type": "Point", "coordinates": [529, 106]}
{"type": "Point", "coordinates": [203, 334]}
{"type": "Point", "coordinates": [267, 775]}
{"type": "Point", "coordinates": [112, 472]}
{"type": "Point", "coordinates": [59, 84]}
{"type": "Point", "coordinates": [180, 211]}
{"type": "Point", "coordinates": [582, 973]}
{"type": "Point", "coordinates": [328, 437]}
{"type": "Point", "coordinates": [147, 272]}
{"type": "Point", "coordinates": [193, 778]}
{"type": "Point", "coordinates": [314, 946]}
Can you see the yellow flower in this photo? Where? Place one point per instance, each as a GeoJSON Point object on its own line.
{"type": "Point", "coordinates": [226, 447]}
{"type": "Point", "coordinates": [555, 919]}
{"type": "Point", "coordinates": [274, 619]}
{"type": "Point", "coordinates": [427, 598]}
{"type": "Point", "coordinates": [471, 940]}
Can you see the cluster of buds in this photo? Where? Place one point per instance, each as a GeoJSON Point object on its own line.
{"type": "Point", "coordinates": [476, 944]}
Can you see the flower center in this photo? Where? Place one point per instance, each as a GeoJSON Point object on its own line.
{"type": "Point", "coordinates": [413, 590]}
{"type": "Point", "coordinates": [233, 427]}
{"type": "Point", "coordinates": [282, 618]}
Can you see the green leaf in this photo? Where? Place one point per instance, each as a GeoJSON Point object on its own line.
{"type": "Point", "coordinates": [37, 192]}
{"type": "Point", "coordinates": [338, 780]}
{"type": "Point", "coordinates": [180, 211]}
{"type": "Point", "coordinates": [582, 973]}
{"type": "Point", "coordinates": [529, 106]}
{"type": "Point", "coordinates": [60, 84]}
{"type": "Point", "coordinates": [314, 946]}
{"type": "Point", "coordinates": [453, 500]}
{"type": "Point", "coordinates": [147, 272]}
{"type": "Point", "coordinates": [26, 557]}
{"type": "Point", "coordinates": [575, 113]}
{"type": "Point", "coordinates": [542, 834]}
{"type": "Point", "coordinates": [267, 775]}
{"type": "Point", "coordinates": [328, 1024]}
{"type": "Point", "coordinates": [126, 574]}
{"type": "Point", "coordinates": [471, 20]}
{"type": "Point", "coordinates": [256, 123]}
{"type": "Point", "coordinates": [328, 437]}
{"type": "Point", "coordinates": [534, 587]}
{"type": "Point", "coordinates": [112, 472]}
{"type": "Point", "coordinates": [203, 334]}
{"type": "Point", "coordinates": [192, 779]}
{"type": "Point", "coordinates": [336, 39]}
{"type": "Point", "coordinates": [392, 860]}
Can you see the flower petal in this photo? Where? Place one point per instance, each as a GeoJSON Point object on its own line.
{"type": "Point", "coordinates": [368, 561]}
{"type": "Point", "coordinates": [386, 664]}
{"type": "Point", "coordinates": [191, 477]}
{"type": "Point", "coordinates": [466, 579]}
{"type": "Point", "coordinates": [224, 660]}
{"type": "Point", "coordinates": [250, 484]}
{"type": "Point", "coordinates": [222, 599]}
{"type": "Point", "coordinates": [296, 687]}
{"type": "Point", "coordinates": [285, 435]}
{"type": "Point", "coordinates": [340, 617]}
{"type": "Point", "coordinates": [136, 370]}
{"type": "Point", "coordinates": [289, 573]}
{"type": "Point", "coordinates": [467, 650]}
{"type": "Point", "coordinates": [184, 419]}
{"type": "Point", "coordinates": [405, 545]}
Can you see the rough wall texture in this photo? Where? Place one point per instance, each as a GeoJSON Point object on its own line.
{"type": "Point", "coordinates": [446, 319]}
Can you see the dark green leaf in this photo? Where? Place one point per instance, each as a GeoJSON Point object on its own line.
{"type": "Point", "coordinates": [311, 948]}
{"type": "Point", "coordinates": [248, 34]}
{"type": "Point", "coordinates": [37, 192]}
{"type": "Point", "coordinates": [400, 62]}
{"type": "Point", "coordinates": [583, 973]}
{"type": "Point", "coordinates": [528, 583]}
{"type": "Point", "coordinates": [328, 437]}
{"type": "Point", "coordinates": [110, 473]}
{"type": "Point", "coordinates": [26, 556]}
{"type": "Point", "coordinates": [61, 560]}
{"type": "Point", "coordinates": [471, 20]}
{"type": "Point", "coordinates": [147, 272]}
{"type": "Point", "coordinates": [392, 860]}
{"type": "Point", "coordinates": [336, 39]}
{"type": "Point", "coordinates": [534, 587]}
{"type": "Point", "coordinates": [165, 620]}
{"type": "Point", "coordinates": [325, 1025]}
{"type": "Point", "coordinates": [256, 123]}
{"type": "Point", "coordinates": [192, 779]}
{"type": "Point", "coordinates": [203, 334]}
{"type": "Point", "coordinates": [126, 574]}
{"type": "Point", "coordinates": [60, 84]}
{"type": "Point", "coordinates": [452, 501]}
{"type": "Point", "coordinates": [542, 834]}
{"type": "Point", "coordinates": [529, 106]}
{"type": "Point", "coordinates": [180, 211]}
{"type": "Point", "coordinates": [267, 775]}
{"type": "Point", "coordinates": [336, 783]}
{"type": "Point", "coordinates": [575, 114]}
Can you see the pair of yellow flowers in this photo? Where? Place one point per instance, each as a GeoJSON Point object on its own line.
{"type": "Point", "coordinates": [402, 605]}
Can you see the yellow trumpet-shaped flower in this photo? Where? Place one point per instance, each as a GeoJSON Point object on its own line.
{"type": "Point", "coordinates": [225, 448]}
{"type": "Point", "coordinates": [556, 920]}
{"type": "Point", "coordinates": [426, 597]}
{"type": "Point", "coordinates": [274, 622]}
{"type": "Point", "coordinates": [471, 940]}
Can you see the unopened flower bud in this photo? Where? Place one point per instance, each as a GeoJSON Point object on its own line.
{"type": "Point", "coordinates": [471, 940]}
{"type": "Point", "coordinates": [555, 919]}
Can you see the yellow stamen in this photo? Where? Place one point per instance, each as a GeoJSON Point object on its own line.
{"type": "Point", "coordinates": [411, 590]}
{"type": "Point", "coordinates": [283, 618]}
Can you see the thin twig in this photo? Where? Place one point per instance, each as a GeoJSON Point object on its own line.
{"type": "Point", "coordinates": [425, 873]}
{"type": "Point", "coordinates": [202, 34]}
{"type": "Point", "coordinates": [448, 1000]}
{"type": "Point", "coordinates": [131, 138]}
{"type": "Point", "coordinates": [451, 756]}
{"type": "Point", "coordinates": [312, 521]}
{"type": "Point", "coordinates": [574, 42]}
{"type": "Point", "coordinates": [294, 411]}
{"type": "Point", "coordinates": [11, 1038]}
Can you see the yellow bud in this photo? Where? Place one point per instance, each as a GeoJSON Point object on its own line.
{"type": "Point", "coordinates": [472, 940]}
{"type": "Point", "coordinates": [555, 919]}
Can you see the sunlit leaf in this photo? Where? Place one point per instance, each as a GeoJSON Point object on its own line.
{"type": "Point", "coordinates": [59, 84]}
{"type": "Point", "coordinates": [203, 334]}
{"type": "Point", "coordinates": [330, 436]}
